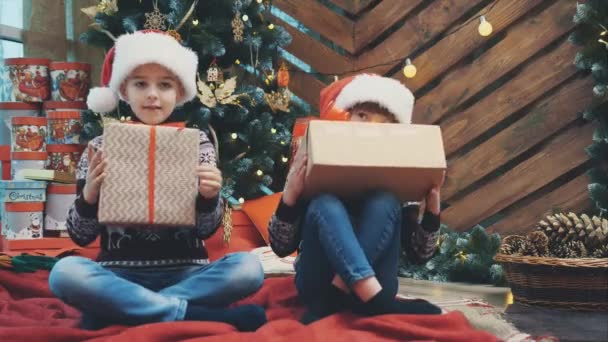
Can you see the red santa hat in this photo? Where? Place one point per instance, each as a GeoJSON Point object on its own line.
{"type": "Point", "coordinates": [135, 49]}
{"type": "Point", "coordinates": [387, 92]}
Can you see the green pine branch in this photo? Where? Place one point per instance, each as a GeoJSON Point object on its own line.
{"type": "Point", "coordinates": [591, 35]}
{"type": "Point", "coordinates": [460, 256]}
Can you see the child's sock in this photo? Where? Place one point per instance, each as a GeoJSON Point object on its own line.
{"type": "Point", "coordinates": [324, 307]}
{"type": "Point", "coordinates": [385, 303]}
{"type": "Point", "coordinates": [245, 318]}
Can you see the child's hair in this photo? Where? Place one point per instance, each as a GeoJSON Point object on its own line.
{"type": "Point", "coordinates": [375, 108]}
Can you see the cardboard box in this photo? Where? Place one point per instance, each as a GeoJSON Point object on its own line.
{"type": "Point", "coordinates": [350, 158]}
{"type": "Point", "coordinates": [150, 175]}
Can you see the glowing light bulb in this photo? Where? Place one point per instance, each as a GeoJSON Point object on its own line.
{"type": "Point", "coordinates": [485, 28]}
{"type": "Point", "coordinates": [409, 70]}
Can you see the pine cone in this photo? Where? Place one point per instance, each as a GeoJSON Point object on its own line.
{"type": "Point", "coordinates": [537, 244]}
{"type": "Point", "coordinates": [570, 249]}
{"type": "Point", "coordinates": [512, 245]}
{"type": "Point", "coordinates": [601, 252]}
{"type": "Point", "coordinates": [561, 228]}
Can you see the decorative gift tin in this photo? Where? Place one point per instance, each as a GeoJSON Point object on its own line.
{"type": "Point", "coordinates": [21, 191]}
{"type": "Point", "coordinates": [64, 157]}
{"type": "Point", "coordinates": [50, 106]}
{"type": "Point", "coordinates": [28, 78]}
{"type": "Point", "coordinates": [64, 127]}
{"type": "Point", "coordinates": [8, 110]}
{"type": "Point", "coordinates": [26, 160]}
{"type": "Point", "coordinates": [28, 134]}
{"type": "Point", "coordinates": [22, 221]}
{"type": "Point", "coordinates": [59, 199]}
{"type": "Point", "coordinates": [5, 162]}
{"type": "Point", "coordinates": [70, 81]}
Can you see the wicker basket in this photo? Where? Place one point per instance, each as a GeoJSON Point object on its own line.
{"type": "Point", "coordinates": [575, 284]}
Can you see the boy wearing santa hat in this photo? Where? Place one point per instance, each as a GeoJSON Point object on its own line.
{"type": "Point", "coordinates": [349, 249]}
{"type": "Point", "coordinates": [152, 274]}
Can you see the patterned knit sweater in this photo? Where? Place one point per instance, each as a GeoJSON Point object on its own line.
{"type": "Point", "coordinates": [418, 239]}
{"type": "Point", "coordinates": [145, 245]}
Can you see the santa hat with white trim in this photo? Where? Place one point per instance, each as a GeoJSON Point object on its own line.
{"type": "Point", "coordinates": [132, 50]}
{"type": "Point", "coordinates": [387, 92]}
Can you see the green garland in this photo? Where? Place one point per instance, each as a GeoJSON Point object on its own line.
{"type": "Point", "coordinates": [462, 257]}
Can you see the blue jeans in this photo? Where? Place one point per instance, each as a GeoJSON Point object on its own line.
{"type": "Point", "coordinates": [356, 239]}
{"type": "Point", "coordinates": [145, 295]}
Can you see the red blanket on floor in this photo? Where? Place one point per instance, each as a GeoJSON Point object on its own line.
{"type": "Point", "coordinates": [29, 312]}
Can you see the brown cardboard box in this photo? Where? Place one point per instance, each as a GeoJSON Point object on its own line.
{"type": "Point", "coordinates": [348, 158]}
{"type": "Point", "coordinates": [150, 175]}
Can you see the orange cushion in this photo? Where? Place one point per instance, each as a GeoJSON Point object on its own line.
{"type": "Point", "coordinates": [260, 211]}
{"type": "Point", "coordinates": [244, 237]}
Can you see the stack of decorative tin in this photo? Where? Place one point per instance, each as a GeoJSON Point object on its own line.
{"type": "Point", "coordinates": [41, 103]}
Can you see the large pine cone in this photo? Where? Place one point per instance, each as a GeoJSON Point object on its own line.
{"type": "Point", "coordinates": [562, 228]}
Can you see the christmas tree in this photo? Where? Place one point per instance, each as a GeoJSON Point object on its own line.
{"type": "Point", "coordinates": [592, 35]}
{"type": "Point", "coordinates": [463, 257]}
{"type": "Point", "coordinates": [244, 100]}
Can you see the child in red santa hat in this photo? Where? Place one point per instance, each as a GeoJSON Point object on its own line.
{"type": "Point", "coordinates": [152, 274]}
{"type": "Point", "coordinates": [349, 249]}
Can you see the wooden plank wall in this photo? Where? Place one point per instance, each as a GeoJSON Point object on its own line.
{"type": "Point", "coordinates": [508, 104]}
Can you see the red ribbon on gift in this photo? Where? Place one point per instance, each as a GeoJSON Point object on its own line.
{"type": "Point", "coordinates": [152, 161]}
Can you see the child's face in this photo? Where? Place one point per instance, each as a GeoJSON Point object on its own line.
{"type": "Point", "coordinates": [370, 113]}
{"type": "Point", "coordinates": [152, 91]}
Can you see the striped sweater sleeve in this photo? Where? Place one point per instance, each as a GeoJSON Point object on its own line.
{"type": "Point", "coordinates": [284, 229]}
{"type": "Point", "coordinates": [209, 212]}
{"type": "Point", "coordinates": [82, 224]}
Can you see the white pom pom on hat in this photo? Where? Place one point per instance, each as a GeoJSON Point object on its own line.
{"type": "Point", "coordinates": [102, 100]}
{"type": "Point", "coordinates": [135, 49]}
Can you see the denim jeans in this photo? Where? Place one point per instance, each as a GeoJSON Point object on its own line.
{"type": "Point", "coordinates": [145, 295]}
{"type": "Point", "coordinates": [355, 239]}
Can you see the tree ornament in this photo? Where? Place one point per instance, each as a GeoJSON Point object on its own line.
{"type": "Point", "coordinates": [107, 7]}
{"type": "Point", "coordinates": [269, 76]}
{"type": "Point", "coordinates": [223, 95]}
{"type": "Point", "coordinates": [237, 28]}
{"type": "Point", "coordinates": [278, 100]}
{"type": "Point", "coordinates": [283, 78]}
{"type": "Point", "coordinates": [227, 222]}
{"type": "Point", "coordinates": [175, 34]}
{"type": "Point", "coordinates": [214, 73]}
{"type": "Point", "coordinates": [155, 20]}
